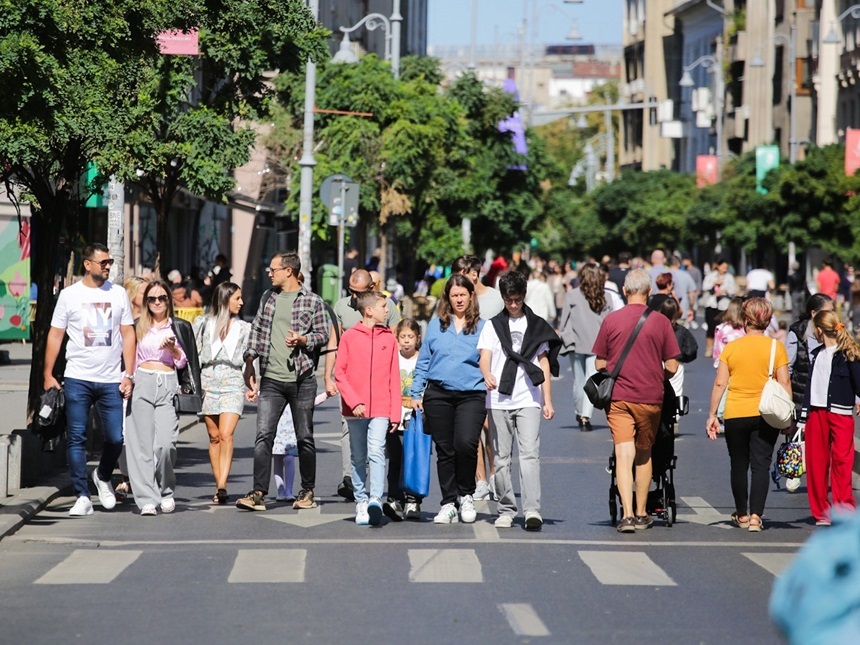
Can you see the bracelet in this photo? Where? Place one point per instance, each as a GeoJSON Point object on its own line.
{"type": "Point", "coordinates": [130, 377]}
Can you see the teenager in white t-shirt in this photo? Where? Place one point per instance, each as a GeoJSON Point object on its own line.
{"type": "Point", "coordinates": [518, 411]}
{"type": "Point", "coordinates": [96, 315]}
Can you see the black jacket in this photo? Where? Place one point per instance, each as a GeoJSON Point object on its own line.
{"type": "Point", "coordinates": [844, 384]}
{"type": "Point", "coordinates": [189, 376]}
{"type": "Point", "coordinates": [538, 331]}
{"type": "Point", "coordinates": [801, 369]}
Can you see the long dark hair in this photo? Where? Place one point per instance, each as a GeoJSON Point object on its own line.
{"type": "Point", "coordinates": [443, 309]}
{"type": "Point", "coordinates": [221, 307]}
{"type": "Point", "coordinates": [591, 284]}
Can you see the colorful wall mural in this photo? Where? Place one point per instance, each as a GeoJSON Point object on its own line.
{"type": "Point", "coordinates": [14, 279]}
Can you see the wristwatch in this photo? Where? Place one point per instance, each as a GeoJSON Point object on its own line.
{"type": "Point", "coordinates": [130, 377]}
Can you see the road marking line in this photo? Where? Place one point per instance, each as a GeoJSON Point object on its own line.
{"type": "Point", "coordinates": [269, 566]}
{"type": "Point", "coordinates": [523, 619]}
{"type": "Point", "coordinates": [444, 565]}
{"type": "Point", "coordinates": [621, 568]}
{"type": "Point", "coordinates": [774, 563]}
{"type": "Point", "coordinates": [486, 531]}
{"type": "Point", "coordinates": [531, 541]}
{"type": "Point", "coordinates": [308, 518]}
{"type": "Point", "coordinates": [704, 513]}
{"type": "Point", "coordinates": [89, 567]}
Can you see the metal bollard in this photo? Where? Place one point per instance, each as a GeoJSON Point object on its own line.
{"type": "Point", "coordinates": [4, 465]}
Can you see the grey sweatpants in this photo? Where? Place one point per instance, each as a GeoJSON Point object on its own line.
{"type": "Point", "coordinates": [151, 431]}
{"type": "Point", "coordinates": [525, 424]}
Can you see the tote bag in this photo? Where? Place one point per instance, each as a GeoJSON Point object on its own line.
{"type": "Point", "coordinates": [415, 474]}
{"type": "Point", "coordinates": [775, 405]}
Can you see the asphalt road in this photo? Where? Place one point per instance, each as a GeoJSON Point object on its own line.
{"type": "Point", "coordinates": [215, 575]}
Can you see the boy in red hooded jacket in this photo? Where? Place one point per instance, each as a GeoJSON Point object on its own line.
{"type": "Point", "coordinates": [367, 371]}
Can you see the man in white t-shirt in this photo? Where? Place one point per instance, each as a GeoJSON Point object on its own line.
{"type": "Point", "coordinates": [519, 353]}
{"type": "Point", "coordinates": [759, 282]}
{"type": "Point", "coordinates": [96, 315]}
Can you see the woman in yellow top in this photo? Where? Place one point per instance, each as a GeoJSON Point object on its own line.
{"type": "Point", "coordinates": [743, 368]}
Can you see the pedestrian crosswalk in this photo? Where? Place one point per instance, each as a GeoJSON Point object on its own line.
{"type": "Point", "coordinates": [422, 566]}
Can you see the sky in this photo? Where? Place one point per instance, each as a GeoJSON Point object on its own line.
{"type": "Point", "coordinates": [599, 21]}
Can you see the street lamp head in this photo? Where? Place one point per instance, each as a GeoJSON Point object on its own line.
{"type": "Point", "coordinates": [686, 80]}
{"type": "Point", "coordinates": [757, 60]}
{"type": "Point", "coordinates": [345, 54]}
{"type": "Point", "coordinates": [832, 37]}
{"type": "Point", "coordinates": [573, 34]}
{"type": "Point", "coordinates": [581, 123]}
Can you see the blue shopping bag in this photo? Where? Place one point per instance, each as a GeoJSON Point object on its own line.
{"type": "Point", "coordinates": [415, 474]}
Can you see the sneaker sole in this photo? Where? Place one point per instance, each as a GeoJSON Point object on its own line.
{"type": "Point", "coordinates": [346, 492]}
{"type": "Point", "coordinates": [391, 513]}
{"type": "Point", "coordinates": [412, 517]}
{"type": "Point", "coordinates": [111, 501]}
{"type": "Point", "coordinates": [250, 507]}
{"type": "Point", "coordinates": [300, 507]}
{"type": "Point", "coordinates": [453, 520]}
{"type": "Point", "coordinates": [534, 524]}
{"type": "Point", "coordinates": [468, 520]}
{"type": "Point", "coordinates": [375, 514]}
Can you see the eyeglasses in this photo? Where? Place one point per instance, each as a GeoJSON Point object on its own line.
{"type": "Point", "coordinates": [272, 270]}
{"type": "Point", "coordinates": [357, 292]}
{"type": "Point", "coordinates": [151, 300]}
{"type": "Point", "coordinates": [104, 264]}
{"type": "Point", "coordinates": [513, 301]}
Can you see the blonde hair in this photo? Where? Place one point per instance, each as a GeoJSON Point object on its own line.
{"type": "Point", "coordinates": [734, 314]}
{"type": "Point", "coordinates": [828, 323]}
{"type": "Point", "coordinates": [133, 286]}
{"type": "Point", "coordinates": [757, 313]}
{"type": "Point", "coordinates": [145, 321]}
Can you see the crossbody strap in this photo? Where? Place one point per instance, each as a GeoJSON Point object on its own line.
{"type": "Point", "coordinates": [772, 359]}
{"type": "Point", "coordinates": [629, 344]}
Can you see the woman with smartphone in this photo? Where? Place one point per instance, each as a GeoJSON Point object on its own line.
{"type": "Point", "coordinates": [152, 424]}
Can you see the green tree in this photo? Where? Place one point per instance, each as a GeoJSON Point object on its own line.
{"type": "Point", "coordinates": [71, 72]}
{"type": "Point", "coordinates": [194, 117]}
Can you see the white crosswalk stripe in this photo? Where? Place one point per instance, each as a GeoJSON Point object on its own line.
{"type": "Point", "coordinates": [774, 563]}
{"type": "Point", "coordinates": [621, 568]}
{"type": "Point", "coordinates": [269, 566]}
{"type": "Point", "coordinates": [523, 619]}
{"type": "Point", "coordinates": [89, 567]}
{"type": "Point", "coordinates": [444, 565]}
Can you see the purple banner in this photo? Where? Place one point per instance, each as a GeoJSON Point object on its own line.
{"type": "Point", "coordinates": [514, 125]}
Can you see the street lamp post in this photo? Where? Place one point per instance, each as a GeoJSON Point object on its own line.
{"type": "Point", "coordinates": [307, 162]}
{"type": "Point", "coordinates": [374, 21]}
{"type": "Point", "coordinates": [715, 64]}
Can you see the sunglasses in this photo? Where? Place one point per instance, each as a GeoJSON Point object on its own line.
{"type": "Point", "coordinates": [273, 270]}
{"type": "Point", "coordinates": [356, 293]}
{"type": "Point", "coordinates": [104, 264]}
{"type": "Point", "coordinates": [151, 300]}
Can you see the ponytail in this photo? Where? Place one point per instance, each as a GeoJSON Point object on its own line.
{"type": "Point", "coordinates": [828, 323]}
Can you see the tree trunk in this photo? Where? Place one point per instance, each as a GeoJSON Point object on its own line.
{"type": "Point", "coordinates": [45, 226]}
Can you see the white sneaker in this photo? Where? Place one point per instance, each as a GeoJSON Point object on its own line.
{"type": "Point", "coordinates": [504, 521]}
{"type": "Point", "coordinates": [533, 521]}
{"type": "Point", "coordinates": [482, 491]}
{"type": "Point", "coordinates": [447, 515]}
{"type": "Point", "coordinates": [83, 507]}
{"type": "Point", "coordinates": [106, 496]}
{"type": "Point", "coordinates": [148, 509]}
{"type": "Point", "coordinates": [792, 484]}
{"type": "Point", "coordinates": [362, 518]}
{"type": "Point", "coordinates": [168, 505]}
{"type": "Point", "coordinates": [412, 511]}
{"type": "Point", "coordinates": [467, 509]}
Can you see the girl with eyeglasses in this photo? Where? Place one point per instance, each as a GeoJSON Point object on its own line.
{"type": "Point", "coordinates": [152, 426]}
{"type": "Point", "coordinates": [222, 338]}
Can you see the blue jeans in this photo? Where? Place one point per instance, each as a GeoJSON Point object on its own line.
{"type": "Point", "coordinates": [80, 397]}
{"type": "Point", "coordinates": [274, 397]}
{"type": "Point", "coordinates": [367, 444]}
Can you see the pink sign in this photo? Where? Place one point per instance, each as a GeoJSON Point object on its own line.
{"type": "Point", "coordinates": [178, 43]}
{"type": "Point", "coordinates": [852, 151]}
{"type": "Point", "coordinates": [706, 170]}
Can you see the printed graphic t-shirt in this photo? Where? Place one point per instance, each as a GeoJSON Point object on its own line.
{"type": "Point", "coordinates": [91, 317]}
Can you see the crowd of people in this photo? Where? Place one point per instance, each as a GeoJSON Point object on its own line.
{"type": "Point", "coordinates": [480, 371]}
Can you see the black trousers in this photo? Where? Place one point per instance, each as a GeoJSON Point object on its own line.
{"type": "Point", "coordinates": [750, 442]}
{"type": "Point", "coordinates": [455, 420]}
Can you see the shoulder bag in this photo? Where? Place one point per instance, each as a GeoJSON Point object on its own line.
{"type": "Point", "coordinates": [598, 387]}
{"type": "Point", "coordinates": [415, 473]}
{"type": "Point", "coordinates": [775, 406]}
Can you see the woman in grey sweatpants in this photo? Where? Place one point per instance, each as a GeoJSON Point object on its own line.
{"type": "Point", "coordinates": [152, 426]}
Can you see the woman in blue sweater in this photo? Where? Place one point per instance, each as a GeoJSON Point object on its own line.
{"type": "Point", "coordinates": [449, 379]}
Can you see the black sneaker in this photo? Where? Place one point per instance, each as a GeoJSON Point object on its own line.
{"type": "Point", "coordinates": [345, 489]}
{"type": "Point", "coordinates": [393, 510]}
{"type": "Point", "coordinates": [627, 525]}
{"type": "Point", "coordinates": [585, 425]}
{"type": "Point", "coordinates": [253, 501]}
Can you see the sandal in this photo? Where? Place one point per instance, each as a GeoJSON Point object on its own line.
{"type": "Point", "coordinates": [221, 496]}
{"type": "Point", "coordinates": [740, 521]}
{"type": "Point", "coordinates": [756, 524]}
{"type": "Point", "coordinates": [122, 491]}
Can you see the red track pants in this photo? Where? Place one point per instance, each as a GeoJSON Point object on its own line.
{"type": "Point", "coordinates": [829, 452]}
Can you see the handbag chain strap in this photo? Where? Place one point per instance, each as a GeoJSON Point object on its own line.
{"type": "Point", "coordinates": [629, 344]}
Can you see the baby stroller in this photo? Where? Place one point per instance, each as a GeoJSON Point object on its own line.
{"type": "Point", "coordinates": [661, 500]}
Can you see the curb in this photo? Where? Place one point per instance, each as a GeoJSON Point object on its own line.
{"type": "Point", "coordinates": [19, 509]}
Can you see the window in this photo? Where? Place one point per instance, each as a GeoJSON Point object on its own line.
{"type": "Point", "coordinates": [778, 64]}
{"type": "Point", "coordinates": [803, 76]}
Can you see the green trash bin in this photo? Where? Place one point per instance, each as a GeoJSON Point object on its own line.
{"type": "Point", "coordinates": [328, 287]}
